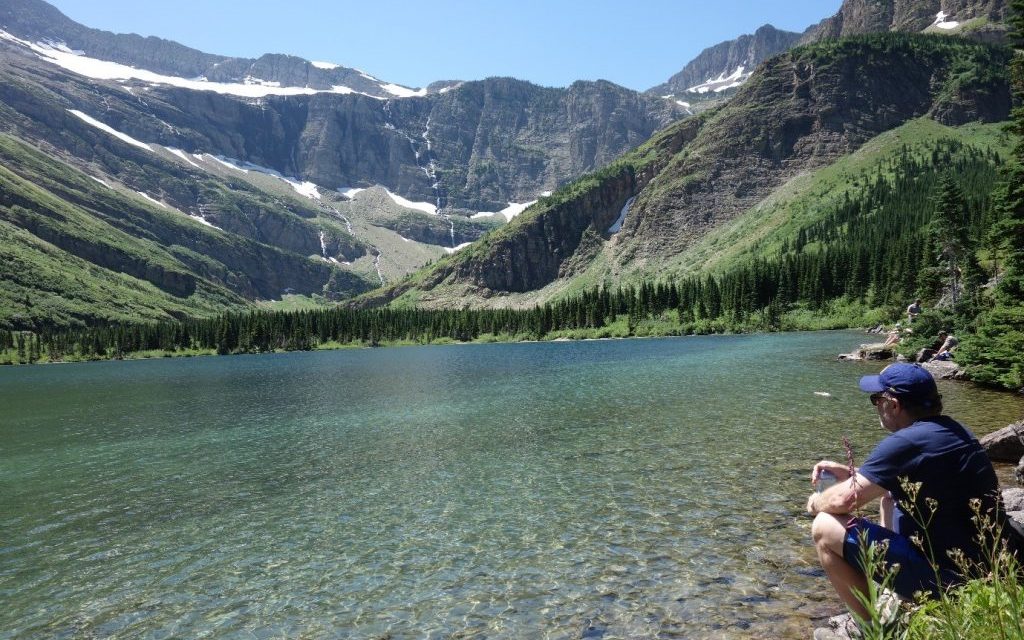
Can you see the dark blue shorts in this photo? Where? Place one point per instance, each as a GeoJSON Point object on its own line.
{"type": "Point", "coordinates": [915, 572]}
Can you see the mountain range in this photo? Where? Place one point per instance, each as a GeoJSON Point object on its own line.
{"type": "Point", "coordinates": [141, 179]}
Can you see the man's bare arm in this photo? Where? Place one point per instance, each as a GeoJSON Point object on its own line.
{"type": "Point", "coordinates": [844, 497]}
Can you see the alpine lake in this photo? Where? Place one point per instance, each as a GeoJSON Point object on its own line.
{"type": "Point", "coordinates": [605, 489]}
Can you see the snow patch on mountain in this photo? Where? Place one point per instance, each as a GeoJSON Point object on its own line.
{"type": "Point", "coordinates": [512, 210]}
{"type": "Point", "coordinates": [184, 156]}
{"type": "Point", "coordinates": [617, 225]}
{"type": "Point", "coordinates": [302, 187]}
{"type": "Point", "coordinates": [103, 182]}
{"type": "Point", "coordinates": [59, 54]}
{"type": "Point", "coordinates": [942, 23]}
{"type": "Point", "coordinates": [403, 92]}
{"type": "Point", "coordinates": [682, 103]}
{"type": "Point", "coordinates": [458, 248]}
{"type": "Point", "coordinates": [124, 137]}
{"type": "Point", "coordinates": [349, 192]}
{"type": "Point", "coordinates": [151, 198]}
{"type": "Point", "coordinates": [426, 207]}
{"type": "Point", "coordinates": [723, 81]}
{"type": "Point", "coordinates": [324, 65]}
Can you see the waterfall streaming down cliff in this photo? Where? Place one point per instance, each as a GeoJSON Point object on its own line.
{"type": "Point", "coordinates": [617, 226]}
{"type": "Point", "coordinates": [425, 162]}
{"type": "Point", "coordinates": [376, 265]}
{"type": "Point", "coordinates": [439, 194]}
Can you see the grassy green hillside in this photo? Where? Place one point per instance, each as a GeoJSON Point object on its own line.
{"type": "Point", "coordinates": [808, 198]}
{"type": "Point", "coordinates": [79, 251]}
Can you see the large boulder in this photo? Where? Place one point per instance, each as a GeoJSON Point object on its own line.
{"type": "Point", "coordinates": [1013, 500]}
{"type": "Point", "coordinates": [1005, 445]}
{"type": "Point", "coordinates": [869, 352]}
{"type": "Point", "coordinates": [944, 369]}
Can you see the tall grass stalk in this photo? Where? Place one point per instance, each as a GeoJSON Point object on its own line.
{"type": "Point", "coordinates": [988, 606]}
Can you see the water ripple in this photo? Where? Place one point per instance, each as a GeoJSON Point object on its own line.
{"type": "Point", "coordinates": [649, 488]}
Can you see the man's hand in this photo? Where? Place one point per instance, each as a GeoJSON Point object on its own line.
{"type": "Point", "coordinates": [812, 508]}
{"type": "Point", "coordinates": [840, 471]}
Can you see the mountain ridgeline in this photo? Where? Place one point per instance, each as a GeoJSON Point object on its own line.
{"type": "Point", "coordinates": [716, 72]}
{"type": "Point", "coordinates": [982, 20]}
{"type": "Point", "coordinates": [803, 110]}
{"type": "Point", "coordinates": [492, 142]}
{"type": "Point", "coordinates": [725, 58]}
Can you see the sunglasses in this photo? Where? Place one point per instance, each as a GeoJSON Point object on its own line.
{"type": "Point", "coordinates": [877, 397]}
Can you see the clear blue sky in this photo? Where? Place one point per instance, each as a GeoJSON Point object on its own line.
{"type": "Point", "coordinates": [636, 44]}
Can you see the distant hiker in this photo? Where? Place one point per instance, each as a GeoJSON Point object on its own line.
{"type": "Point", "coordinates": [894, 336]}
{"type": "Point", "coordinates": [945, 350]}
{"type": "Point", "coordinates": [926, 354]}
{"type": "Point", "coordinates": [923, 447]}
{"type": "Point", "coordinates": [913, 310]}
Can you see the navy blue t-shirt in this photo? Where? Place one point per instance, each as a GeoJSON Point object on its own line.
{"type": "Point", "coordinates": [952, 468]}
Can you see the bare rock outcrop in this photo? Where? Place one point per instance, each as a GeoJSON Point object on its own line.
{"type": "Point", "coordinates": [1005, 445]}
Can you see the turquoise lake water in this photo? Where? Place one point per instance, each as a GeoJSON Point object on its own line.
{"type": "Point", "coordinates": [606, 489]}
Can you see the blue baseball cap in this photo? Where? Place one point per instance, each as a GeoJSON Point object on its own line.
{"type": "Point", "coordinates": [904, 380]}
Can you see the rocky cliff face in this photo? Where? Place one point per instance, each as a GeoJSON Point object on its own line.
{"type": "Point", "coordinates": [800, 111]}
{"type": "Point", "coordinates": [981, 18]}
{"type": "Point", "coordinates": [484, 144]}
{"type": "Point", "coordinates": [725, 58]}
{"type": "Point", "coordinates": [503, 140]}
{"type": "Point", "coordinates": [562, 236]}
{"type": "Point", "coordinates": [716, 71]}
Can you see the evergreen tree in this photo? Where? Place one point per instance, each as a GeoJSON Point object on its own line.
{"type": "Point", "coordinates": [948, 244]}
{"type": "Point", "coordinates": [995, 354]}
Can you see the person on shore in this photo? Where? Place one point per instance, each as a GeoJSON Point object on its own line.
{"type": "Point", "coordinates": [945, 351]}
{"type": "Point", "coordinates": [913, 310]}
{"type": "Point", "coordinates": [923, 447]}
{"type": "Point", "coordinates": [894, 336]}
{"type": "Point", "coordinates": [925, 354]}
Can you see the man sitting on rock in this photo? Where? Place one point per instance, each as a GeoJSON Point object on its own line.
{"type": "Point", "coordinates": [945, 351]}
{"type": "Point", "coordinates": [923, 447]}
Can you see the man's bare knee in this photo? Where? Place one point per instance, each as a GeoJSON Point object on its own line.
{"type": "Point", "coordinates": [829, 532]}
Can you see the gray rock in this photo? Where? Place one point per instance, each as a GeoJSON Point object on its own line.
{"type": "Point", "coordinates": [1013, 500]}
{"type": "Point", "coordinates": [1005, 445]}
{"type": "Point", "coordinates": [869, 352]}
{"type": "Point", "coordinates": [944, 370]}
